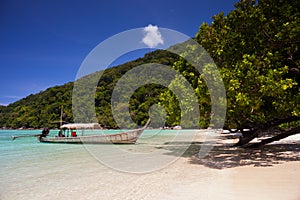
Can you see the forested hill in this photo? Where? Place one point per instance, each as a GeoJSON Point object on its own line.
{"type": "Point", "coordinates": [44, 108]}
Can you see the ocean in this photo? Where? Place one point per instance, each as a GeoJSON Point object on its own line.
{"type": "Point", "coordinates": [24, 161]}
{"type": "Point", "coordinates": [33, 170]}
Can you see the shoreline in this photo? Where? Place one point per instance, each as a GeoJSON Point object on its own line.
{"type": "Point", "coordinates": [227, 173]}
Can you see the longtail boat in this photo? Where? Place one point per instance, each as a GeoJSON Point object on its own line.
{"type": "Point", "coordinates": [123, 137]}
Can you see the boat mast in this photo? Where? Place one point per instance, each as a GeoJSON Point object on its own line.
{"type": "Point", "coordinates": [61, 113]}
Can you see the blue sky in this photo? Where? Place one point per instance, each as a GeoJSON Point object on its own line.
{"type": "Point", "coordinates": [43, 43]}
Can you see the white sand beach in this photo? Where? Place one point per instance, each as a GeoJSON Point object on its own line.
{"type": "Point", "coordinates": [264, 175]}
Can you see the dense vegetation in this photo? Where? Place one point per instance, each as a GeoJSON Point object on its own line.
{"type": "Point", "coordinates": [38, 110]}
{"type": "Point", "coordinates": [44, 109]}
{"type": "Point", "coordinates": [256, 48]}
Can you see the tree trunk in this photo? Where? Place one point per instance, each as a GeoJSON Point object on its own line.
{"type": "Point", "coordinates": [246, 138]}
{"type": "Point", "coordinates": [275, 138]}
{"type": "Point", "coordinates": [250, 135]}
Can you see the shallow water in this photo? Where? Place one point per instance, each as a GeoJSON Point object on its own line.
{"type": "Point", "coordinates": [25, 158]}
{"type": "Point", "coordinates": [32, 169]}
{"type": "Point", "coordinates": [21, 151]}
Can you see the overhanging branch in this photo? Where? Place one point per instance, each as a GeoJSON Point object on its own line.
{"type": "Point", "coordinates": [276, 138]}
{"type": "Point", "coordinates": [247, 136]}
{"type": "Point", "coordinates": [276, 122]}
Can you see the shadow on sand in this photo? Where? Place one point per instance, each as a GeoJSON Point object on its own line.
{"type": "Point", "coordinates": [225, 156]}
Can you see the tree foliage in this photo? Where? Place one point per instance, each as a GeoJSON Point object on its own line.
{"type": "Point", "coordinates": [39, 110]}
{"type": "Point", "coordinates": [256, 47]}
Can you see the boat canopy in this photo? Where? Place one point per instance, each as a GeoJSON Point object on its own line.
{"type": "Point", "coordinates": [80, 126]}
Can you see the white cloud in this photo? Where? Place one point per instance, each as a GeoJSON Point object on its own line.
{"type": "Point", "coordinates": [152, 36]}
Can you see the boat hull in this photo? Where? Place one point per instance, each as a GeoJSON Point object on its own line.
{"type": "Point", "coordinates": [129, 137]}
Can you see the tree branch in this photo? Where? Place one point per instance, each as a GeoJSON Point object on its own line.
{"type": "Point", "coordinates": [276, 122]}
{"type": "Point", "coordinates": [276, 138]}
{"type": "Point", "coordinates": [253, 133]}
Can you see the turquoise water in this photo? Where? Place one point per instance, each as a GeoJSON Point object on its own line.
{"type": "Point", "coordinates": [32, 170]}
{"type": "Point", "coordinates": [29, 148]}
{"type": "Point", "coordinates": [14, 153]}
{"type": "Point", "coordinates": [26, 165]}
{"type": "Point", "coordinates": [17, 154]}
{"type": "Point", "coordinates": [25, 147]}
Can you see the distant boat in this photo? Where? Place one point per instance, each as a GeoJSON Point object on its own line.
{"type": "Point", "coordinates": [126, 137]}
{"type": "Point", "coordinates": [177, 128]}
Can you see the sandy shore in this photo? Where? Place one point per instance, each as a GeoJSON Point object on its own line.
{"type": "Point", "coordinates": [270, 173]}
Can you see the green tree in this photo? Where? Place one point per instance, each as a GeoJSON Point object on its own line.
{"type": "Point", "coordinates": [256, 47]}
